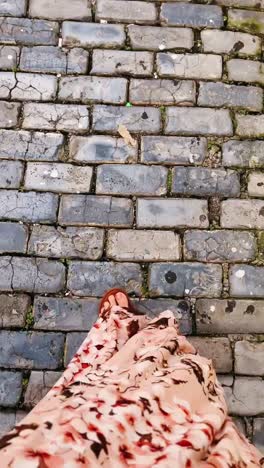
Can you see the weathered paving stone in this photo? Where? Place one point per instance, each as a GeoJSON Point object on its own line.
{"type": "Point", "coordinates": [64, 314]}
{"type": "Point", "coordinates": [251, 21]}
{"type": "Point", "coordinates": [202, 181]}
{"type": "Point", "coordinates": [158, 92]}
{"type": "Point", "coordinates": [60, 10]}
{"type": "Point", "coordinates": [48, 241]}
{"type": "Point", "coordinates": [135, 119]}
{"type": "Point", "coordinates": [229, 316]}
{"type": "Point", "coordinates": [243, 153]}
{"type": "Point", "coordinates": [147, 246]}
{"type": "Point", "coordinates": [258, 431]}
{"type": "Point", "coordinates": [73, 343]}
{"type": "Point", "coordinates": [126, 11]}
{"type": "Point", "coordinates": [173, 150]}
{"type": "Point", "coordinates": [216, 349]}
{"type": "Point", "coordinates": [13, 8]}
{"type": "Point", "coordinates": [31, 350]}
{"type": "Point", "coordinates": [10, 388]}
{"type": "Point", "coordinates": [28, 31]}
{"type": "Point", "coordinates": [28, 206]}
{"type": "Point", "coordinates": [9, 112]}
{"type": "Point", "coordinates": [172, 213]}
{"type": "Point", "coordinates": [246, 281]}
{"type": "Point", "coordinates": [241, 3]}
{"type": "Point", "coordinates": [9, 57]}
{"type": "Point", "coordinates": [156, 38]}
{"type": "Point", "coordinates": [11, 173]}
{"type": "Point", "coordinates": [196, 16]}
{"type": "Point", "coordinates": [246, 398]}
{"type": "Point", "coordinates": [256, 184]}
{"type": "Point", "coordinates": [13, 237]}
{"type": "Point", "coordinates": [185, 279]}
{"type": "Point", "coordinates": [13, 310]}
{"type": "Point", "coordinates": [38, 386]}
{"type": "Point", "coordinates": [219, 246]}
{"type": "Point", "coordinates": [119, 179]}
{"type": "Point", "coordinates": [9, 419]}
{"type": "Point", "coordinates": [68, 118]}
{"type": "Point", "coordinates": [91, 210]}
{"type": "Point", "coordinates": [198, 66]}
{"type": "Point", "coordinates": [35, 146]}
{"type": "Point", "coordinates": [250, 125]}
{"type": "Point", "coordinates": [201, 121]}
{"type": "Point", "coordinates": [27, 86]}
{"type": "Point", "coordinates": [57, 177]}
{"type": "Point", "coordinates": [249, 358]}
{"type": "Point", "coordinates": [122, 62]}
{"type": "Point", "coordinates": [94, 278]}
{"type": "Point", "coordinates": [229, 42]}
{"type": "Point", "coordinates": [102, 149]}
{"type": "Point", "coordinates": [248, 71]}
{"type": "Point", "coordinates": [224, 95]}
{"type": "Point", "coordinates": [86, 89]}
{"type": "Point", "coordinates": [53, 60]}
{"type": "Point", "coordinates": [242, 214]}
{"type": "Point", "coordinates": [90, 35]}
{"type": "Point", "coordinates": [36, 275]}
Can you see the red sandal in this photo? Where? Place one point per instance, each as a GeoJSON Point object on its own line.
{"type": "Point", "coordinates": [114, 292]}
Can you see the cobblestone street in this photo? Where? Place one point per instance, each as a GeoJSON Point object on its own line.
{"type": "Point", "coordinates": [131, 155]}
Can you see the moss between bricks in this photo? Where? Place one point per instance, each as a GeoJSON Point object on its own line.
{"type": "Point", "coordinates": [29, 318]}
{"type": "Point", "coordinates": [250, 25]}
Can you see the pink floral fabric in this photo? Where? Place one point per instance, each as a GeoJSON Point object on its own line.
{"type": "Point", "coordinates": [134, 395]}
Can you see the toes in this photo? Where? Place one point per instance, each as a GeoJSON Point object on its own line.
{"type": "Point", "coordinates": [112, 300]}
{"type": "Point", "coordinates": [122, 300]}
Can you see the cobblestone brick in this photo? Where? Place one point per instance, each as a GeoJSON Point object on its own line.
{"type": "Point", "coordinates": [27, 86]}
{"type": "Point", "coordinates": [250, 125]}
{"type": "Point", "coordinates": [172, 213]}
{"type": "Point", "coordinates": [201, 121]}
{"type": "Point", "coordinates": [88, 89]}
{"type": "Point", "coordinates": [53, 60]}
{"type": "Point", "coordinates": [251, 21]}
{"type": "Point", "coordinates": [198, 66]}
{"type": "Point", "coordinates": [219, 246]}
{"type": "Point", "coordinates": [94, 278]}
{"type": "Point", "coordinates": [249, 358]}
{"type": "Point", "coordinates": [119, 179]}
{"type": "Point", "coordinates": [57, 177]}
{"type": "Point", "coordinates": [92, 35]}
{"type": "Point", "coordinates": [95, 211]}
{"type": "Point", "coordinates": [11, 173]}
{"type": "Point", "coordinates": [242, 214]}
{"type": "Point", "coordinates": [173, 150]}
{"type": "Point", "coordinates": [13, 310]}
{"type": "Point", "coordinates": [73, 342]}
{"type": "Point", "coordinates": [10, 388]}
{"type": "Point", "coordinates": [245, 70]}
{"type": "Point", "coordinates": [258, 431]}
{"type": "Point", "coordinates": [29, 32]}
{"type": "Point", "coordinates": [122, 62]}
{"type": "Point", "coordinates": [9, 56]}
{"type": "Point", "coordinates": [162, 92]}
{"type": "Point", "coordinates": [48, 241]}
{"type": "Point", "coordinates": [35, 350]}
{"type": "Point", "coordinates": [185, 279]}
{"type": "Point", "coordinates": [243, 153]}
{"type": "Point", "coordinates": [224, 95]}
{"type": "Point", "coordinates": [9, 114]}
{"type": "Point", "coordinates": [13, 8]}
{"type": "Point", "coordinates": [201, 181]}
{"type": "Point", "coordinates": [9, 419]}
{"type": "Point", "coordinates": [246, 398]}
{"type": "Point", "coordinates": [229, 42]}
{"type": "Point", "coordinates": [135, 119]}
{"type": "Point", "coordinates": [38, 386]}
{"type": "Point", "coordinates": [246, 281]}
{"type": "Point", "coordinates": [68, 118]}
{"type": "Point", "coordinates": [156, 38]}
{"type": "Point", "coordinates": [146, 246]}
{"type": "Point", "coordinates": [102, 149]}
{"type": "Point", "coordinates": [126, 11]}
{"type": "Point", "coordinates": [36, 275]}
{"type": "Point", "coordinates": [229, 316]}
{"type": "Point", "coordinates": [60, 10]}
{"type": "Point", "coordinates": [216, 349]}
{"type": "Point", "coordinates": [64, 314]}
{"type": "Point", "coordinates": [196, 16]}
{"type": "Point", "coordinates": [241, 3]}
{"type": "Point", "coordinates": [28, 206]}
{"type": "Point", "coordinates": [256, 184]}
{"type": "Point", "coordinates": [13, 237]}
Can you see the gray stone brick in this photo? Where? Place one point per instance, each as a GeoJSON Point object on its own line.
{"type": "Point", "coordinates": [9, 419]}
{"type": "Point", "coordinates": [28, 206]}
{"type": "Point", "coordinates": [229, 42]}
{"type": "Point", "coordinates": [38, 386]}
{"type": "Point", "coordinates": [219, 246]}
{"type": "Point", "coordinates": [202, 181]}
{"type": "Point", "coordinates": [246, 281]}
{"type": "Point", "coordinates": [83, 210]}
{"type": "Point", "coordinates": [10, 388]}
{"type": "Point", "coordinates": [77, 61]}
{"type": "Point", "coordinates": [243, 153]}
{"type": "Point", "coordinates": [102, 149]}
{"type": "Point", "coordinates": [198, 121]}
{"type": "Point", "coordinates": [57, 177]}
{"type": "Point", "coordinates": [250, 125]}
{"type": "Point", "coordinates": [27, 86]}
{"type": "Point", "coordinates": [185, 279]}
{"type": "Point", "coordinates": [9, 57]}
{"type": "Point", "coordinates": [122, 62]}
{"type": "Point", "coordinates": [68, 118]}
{"type": "Point", "coordinates": [251, 21]}
{"type": "Point", "coordinates": [216, 349]}
{"type": "Point", "coordinates": [86, 89]}
{"type": "Point", "coordinates": [146, 246]}
{"type": "Point", "coordinates": [162, 92]}
{"type": "Point", "coordinates": [73, 343]}
{"type": "Point", "coordinates": [173, 150]}
{"type": "Point", "coordinates": [11, 173]}
{"type": "Point", "coordinates": [198, 66]}
{"type": "Point", "coordinates": [241, 3]}
{"type": "Point", "coordinates": [246, 398]}
{"type": "Point", "coordinates": [135, 119]}
{"type": "Point", "coordinates": [258, 431]}
{"type": "Point", "coordinates": [249, 358]}
{"type": "Point", "coordinates": [126, 11]}
{"type": "Point", "coordinates": [13, 310]}
{"type": "Point", "coordinates": [94, 278]}
{"type": "Point", "coordinates": [13, 237]}
{"type": "Point", "coordinates": [64, 314]}
{"type": "Point", "coordinates": [53, 60]}
{"type": "Point", "coordinates": [60, 10]}
{"type": "Point", "coordinates": [48, 241]}
{"type": "Point", "coordinates": [156, 38]}
{"type": "Point", "coordinates": [31, 350]}
{"type": "Point", "coordinates": [36, 275]}
{"type": "Point", "coordinates": [249, 71]}
{"type": "Point", "coordinates": [196, 16]}
{"type": "Point", "coordinates": [12, 8]}
{"type": "Point", "coordinates": [35, 146]}
{"type": "Point", "coordinates": [9, 114]}
{"type": "Point", "coordinates": [242, 214]}
{"type": "Point", "coordinates": [28, 31]}
{"type": "Point", "coordinates": [256, 184]}
{"type": "Point", "coordinates": [224, 95]}
{"type": "Point", "coordinates": [172, 213]}
{"type": "Point", "coordinates": [136, 179]}
{"type": "Point", "coordinates": [229, 316]}
{"type": "Point", "coordinates": [90, 35]}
